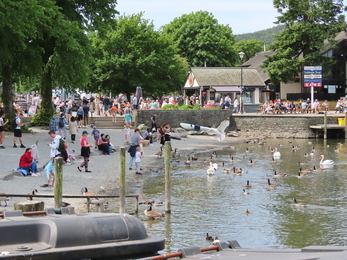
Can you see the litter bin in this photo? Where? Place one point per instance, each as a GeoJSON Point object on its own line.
{"type": "Point", "coordinates": [341, 121]}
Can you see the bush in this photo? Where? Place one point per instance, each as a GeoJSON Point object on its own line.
{"type": "Point", "coordinates": [42, 118]}
{"type": "Point", "coordinates": [170, 107]}
{"type": "Point", "coordinates": [186, 107]}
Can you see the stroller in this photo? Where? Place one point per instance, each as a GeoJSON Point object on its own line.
{"type": "Point", "coordinates": [35, 152]}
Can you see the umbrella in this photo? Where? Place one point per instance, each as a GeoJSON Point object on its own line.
{"type": "Point", "coordinates": [138, 93]}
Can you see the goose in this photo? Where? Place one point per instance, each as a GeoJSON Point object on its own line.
{"type": "Point", "coordinates": [222, 164]}
{"type": "Point", "coordinates": [302, 174]}
{"type": "Point", "coordinates": [299, 204]}
{"type": "Point", "coordinates": [304, 170]}
{"type": "Point", "coordinates": [194, 158]}
{"type": "Point", "coordinates": [225, 171]}
{"type": "Point", "coordinates": [305, 154]}
{"type": "Point", "coordinates": [252, 162]}
{"type": "Point", "coordinates": [300, 163]}
{"type": "Point", "coordinates": [247, 211]}
{"type": "Point", "coordinates": [187, 162]}
{"type": "Point", "coordinates": [65, 204]}
{"type": "Point", "coordinates": [318, 169]}
{"type": "Point", "coordinates": [336, 150]}
{"type": "Point", "coordinates": [243, 171]}
{"type": "Point", "coordinates": [213, 155]}
{"type": "Point", "coordinates": [279, 175]}
{"type": "Point", "coordinates": [85, 192]}
{"type": "Point", "coordinates": [249, 151]}
{"type": "Point", "coordinates": [312, 153]}
{"type": "Point", "coordinates": [326, 162]}
{"type": "Point", "coordinates": [237, 172]}
{"type": "Point", "coordinates": [4, 198]}
{"type": "Point", "coordinates": [270, 186]}
{"type": "Point", "coordinates": [231, 158]}
{"type": "Point", "coordinates": [152, 213]}
{"type": "Point", "coordinates": [174, 153]}
{"type": "Point", "coordinates": [277, 154]}
{"type": "Point", "coordinates": [146, 202]}
{"type": "Point", "coordinates": [209, 237]}
{"type": "Point", "coordinates": [248, 186]}
{"type": "Point", "coordinates": [245, 192]}
{"type": "Point", "coordinates": [32, 193]}
{"type": "Point", "coordinates": [160, 153]}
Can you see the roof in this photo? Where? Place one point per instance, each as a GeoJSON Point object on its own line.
{"type": "Point", "coordinates": [257, 61]}
{"type": "Point", "coordinates": [227, 76]}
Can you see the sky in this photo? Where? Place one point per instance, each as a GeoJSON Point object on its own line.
{"type": "Point", "coordinates": [243, 16]}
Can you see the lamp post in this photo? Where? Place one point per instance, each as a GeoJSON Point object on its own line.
{"type": "Point", "coordinates": [241, 54]}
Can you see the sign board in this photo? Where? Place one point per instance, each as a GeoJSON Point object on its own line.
{"type": "Point", "coordinates": [32, 110]}
{"type": "Point", "coordinates": [313, 76]}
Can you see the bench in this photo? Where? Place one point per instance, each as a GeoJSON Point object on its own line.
{"type": "Point", "coordinates": [260, 109]}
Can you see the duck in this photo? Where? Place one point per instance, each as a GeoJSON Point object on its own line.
{"type": "Point", "coordinates": [277, 154]}
{"type": "Point", "coordinates": [326, 162]}
{"type": "Point", "coordinates": [146, 202]}
{"type": "Point", "coordinates": [174, 153]}
{"type": "Point", "coordinates": [4, 198]}
{"type": "Point", "coordinates": [252, 162]}
{"type": "Point", "coordinates": [32, 193]}
{"type": "Point", "coordinates": [160, 153]}
{"type": "Point", "coordinates": [65, 204]}
{"type": "Point", "coordinates": [270, 186]}
{"type": "Point", "coordinates": [248, 186]}
{"type": "Point", "coordinates": [225, 171]}
{"type": "Point", "coordinates": [210, 238]}
{"type": "Point", "coordinates": [102, 189]}
{"type": "Point", "coordinates": [247, 211]}
{"type": "Point", "coordinates": [279, 175]}
{"type": "Point", "coordinates": [194, 158]}
{"type": "Point", "coordinates": [245, 192]}
{"type": "Point", "coordinates": [152, 213]}
{"type": "Point", "coordinates": [215, 241]}
{"type": "Point", "coordinates": [213, 155]}
{"type": "Point", "coordinates": [318, 169]}
{"type": "Point", "coordinates": [248, 150]}
{"type": "Point", "coordinates": [336, 150]}
{"type": "Point", "coordinates": [312, 153]}
{"type": "Point", "coordinates": [187, 162]}
{"type": "Point", "coordinates": [299, 204]}
{"type": "Point", "coordinates": [85, 192]}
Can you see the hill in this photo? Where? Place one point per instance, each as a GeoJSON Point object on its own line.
{"type": "Point", "coordinates": [266, 35]}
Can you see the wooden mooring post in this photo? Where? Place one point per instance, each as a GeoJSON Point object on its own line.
{"type": "Point", "coordinates": [122, 168]}
{"type": "Point", "coordinates": [325, 125]}
{"type": "Point", "coordinates": [345, 125]}
{"type": "Point", "coordinates": [58, 182]}
{"type": "Point", "coordinates": [167, 161]}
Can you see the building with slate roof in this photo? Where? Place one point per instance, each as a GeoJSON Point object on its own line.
{"type": "Point", "coordinates": [211, 83]}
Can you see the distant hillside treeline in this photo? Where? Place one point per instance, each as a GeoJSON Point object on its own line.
{"type": "Point", "coordinates": [266, 35]}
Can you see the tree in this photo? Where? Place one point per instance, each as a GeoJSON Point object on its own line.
{"type": "Point", "coordinates": [249, 47]}
{"type": "Point", "coordinates": [21, 22]}
{"type": "Point", "coordinates": [307, 25]}
{"type": "Point", "coordinates": [201, 39]}
{"type": "Point", "coordinates": [133, 54]}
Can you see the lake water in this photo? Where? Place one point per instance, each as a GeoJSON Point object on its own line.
{"type": "Point", "coordinates": [215, 204]}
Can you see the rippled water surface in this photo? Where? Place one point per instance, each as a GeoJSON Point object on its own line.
{"type": "Point", "coordinates": [215, 204]}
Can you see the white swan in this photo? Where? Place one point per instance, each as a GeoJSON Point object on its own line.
{"type": "Point", "coordinates": [210, 171]}
{"type": "Point", "coordinates": [213, 166]}
{"type": "Point", "coordinates": [277, 154]}
{"type": "Point", "coordinates": [326, 162]}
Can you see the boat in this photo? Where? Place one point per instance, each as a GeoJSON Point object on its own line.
{"type": "Point", "coordinates": [81, 236]}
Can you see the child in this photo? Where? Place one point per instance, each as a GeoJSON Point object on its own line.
{"type": "Point", "coordinates": [113, 112]}
{"type": "Point", "coordinates": [96, 134]}
{"type": "Point", "coordinates": [49, 169]}
{"type": "Point", "coordinates": [138, 157]}
{"type": "Point", "coordinates": [127, 133]}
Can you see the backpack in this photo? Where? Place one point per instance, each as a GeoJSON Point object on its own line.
{"type": "Point", "coordinates": [61, 147]}
{"type": "Point", "coordinates": [61, 122]}
{"type": "Point", "coordinates": [14, 123]}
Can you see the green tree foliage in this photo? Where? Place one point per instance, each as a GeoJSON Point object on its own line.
{"type": "Point", "coordinates": [200, 38]}
{"type": "Point", "coordinates": [266, 35]}
{"type": "Point", "coordinates": [133, 54]}
{"type": "Point", "coordinates": [307, 25]}
{"type": "Point", "coordinates": [249, 47]}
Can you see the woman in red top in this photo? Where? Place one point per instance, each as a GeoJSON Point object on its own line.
{"type": "Point", "coordinates": [26, 162]}
{"type": "Point", "coordinates": [85, 151]}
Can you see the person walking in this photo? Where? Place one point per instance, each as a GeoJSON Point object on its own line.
{"type": "Point", "coordinates": [236, 105]}
{"type": "Point", "coordinates": [136, 140]}
{"type": "Point", "coordinates": [73, 129]}
{"type": "Point", "coordinates": [2, 130]}
{"type": "Point", "coordinates": [85, 151]}
{"type": "Point", "coordinates": [62, 126]}
{"type": "Point", "coordinates": [18, 131]}
{"type": "Point", "coordinates": [86, 114]}
{"type": "Point", "coordinates": [80, 114]}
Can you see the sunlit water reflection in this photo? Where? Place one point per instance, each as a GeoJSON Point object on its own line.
{"type": "Point", "coordinates": [215, 204]}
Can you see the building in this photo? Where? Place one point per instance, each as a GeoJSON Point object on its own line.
{"type": "Point", "coordinates": [212, 83]}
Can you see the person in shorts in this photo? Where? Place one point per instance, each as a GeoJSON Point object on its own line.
{"type": "Point", "coordinates": [96, 134]}
{"type": "Point", "coordinates": [18, 132]}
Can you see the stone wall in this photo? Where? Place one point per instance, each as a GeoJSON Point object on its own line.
{"type": "Point", "coordinates": [272, 126]}
{"type": "Point", "coordinates": [277, 126]}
